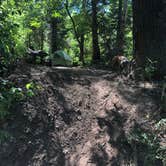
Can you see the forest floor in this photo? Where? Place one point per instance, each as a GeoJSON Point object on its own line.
{"type": "Point", "coordinates": [80, 117]}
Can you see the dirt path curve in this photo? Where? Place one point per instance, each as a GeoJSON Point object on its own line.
{"type": "Point", "coordinates": [81, 117]}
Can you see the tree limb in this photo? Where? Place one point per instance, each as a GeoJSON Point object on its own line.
{"type": "Point", "coordinates": [72, 20]}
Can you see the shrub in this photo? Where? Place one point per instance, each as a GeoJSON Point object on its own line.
{"type": "Point", "coordinates": [10, 95]}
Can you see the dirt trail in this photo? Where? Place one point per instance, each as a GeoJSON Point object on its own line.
{"type": "Point", "coordinates": [81, 117]}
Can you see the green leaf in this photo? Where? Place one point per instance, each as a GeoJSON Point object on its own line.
{"type": "Point", "coordinates": [30, 93]}
{"type": "Point", "coordinates": [35, 24]}
{"type": "Point", "coordinates": [29, 86]}
{"type": "Point", "coordinates": [56, 14]}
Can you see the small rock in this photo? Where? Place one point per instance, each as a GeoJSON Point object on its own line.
{"type": "Point", "coordinates": [79, 118]}
{"type": "Point", "coordinates": [27, 130]}
{"type": "Point", "coordinates": [65, 151]}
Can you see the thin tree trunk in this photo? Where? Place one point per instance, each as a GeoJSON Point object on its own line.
{"type": "Point", "coordinates": [82, 49]}
{"type": "Point", "coordinates": [53, 35]}
{"type": "Point", "coordinates": [42, 40]}
{"type": "Point", "coordinates": [29, 40]}
{"type": "Point", "coordinates": [119, 30]}
{"type": "Point", "coordinates": [80, 39]}
{"type": "Point", "coordinates": [122, 16]}
{"type": "Point", "coordinates": [125, 10]}
{"type": "Point", "coordinates": [95, 43]}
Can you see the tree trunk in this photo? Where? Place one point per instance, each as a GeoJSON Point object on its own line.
{"type": "Point", "coordinates": [149, 33]}
{"type": "Point", "coordinates": [96, 49]}
{"type": "Point", "coordinates": [53, 35]}
{"type": "Point", "coordinates": [81, 46]}
{"type": "Point", "coordinates": [42, 40]}
{"type": "Point", "coordinates": [122, 15]}
{"type": "Point", "coordinates": [119, 30]}
{"type": "Point", "coordinates": [29, 40]}
{"type": "Point", "coordinates": [79, 38]}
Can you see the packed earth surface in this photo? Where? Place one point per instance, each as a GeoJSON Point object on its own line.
{"type": "Point", "coordinates": [78, 117]}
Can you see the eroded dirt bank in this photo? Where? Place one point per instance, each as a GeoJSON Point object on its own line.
{"type": "Point", "coordinates": [80, 117]}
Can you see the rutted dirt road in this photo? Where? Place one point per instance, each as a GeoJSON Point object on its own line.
{"type": "Point", "coordinates": [80, 117]}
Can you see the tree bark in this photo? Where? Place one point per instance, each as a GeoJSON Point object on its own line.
{"type": "Point", "coordinates": [119, 30]}
{"type": "Point", "coordinates": [29, 40]}
{"type": "Point", "coordinates": [81, 46]}
{"type": "Point", "coordinates": [149, 33]}
{"type": "Point", "coordinates": [53, 35]}
{"type": "Point", "coordinates": [42, 39]}
{"type": "Point", "coordinates": [95, 43]}
{"type": "Point", "coordinates": [122, 15]}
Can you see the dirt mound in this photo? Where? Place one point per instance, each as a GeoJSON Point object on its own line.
{"type": "Point", "coordinates": [80, 117]}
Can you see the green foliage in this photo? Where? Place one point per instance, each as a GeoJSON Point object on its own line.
{"type": "Point", "coordinates": [128, 48]}
{"type": "Point", "coordinates": [31, 89]}
{"type": "Point", "coordinates": [149, 144]}
{"type": "Point", "coordinates": [150, 69]}
{"type": "Point", "coordinates": [28, 23]}
{"type": "Point", "coordinates": [35, 24]}
{"type": "Point", "coordinates": [38, 60]}
{"type": "Point", "coordinates": [12, 34]}
{"type": "Point", "coordinates": [4, 136]}
{"type": "Point", "coordinates": [76, 61]}
{"type": "Point", "coordinates": [10, 95]}
{"type": "Point", "coordinates": [161, 151]}
{"type": "Point", "coordinates": [161, 125]}
{"type": "Point", "coordinates": [56, 14]}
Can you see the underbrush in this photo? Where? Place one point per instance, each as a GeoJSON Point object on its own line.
{"type": "Point", "coordinates": [149, 147]}
{"type": "Point", "coordinates": [163, 94]}
{"type": "Point", "coordinates": [10, 95]}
